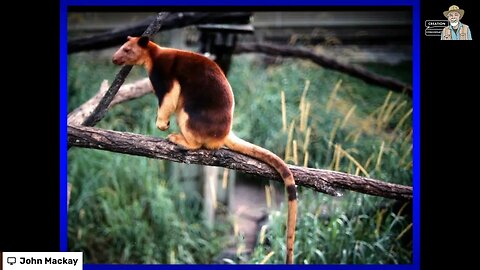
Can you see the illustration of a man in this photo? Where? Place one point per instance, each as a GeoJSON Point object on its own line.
{"type": "Point", "coordinates": [456, 30]}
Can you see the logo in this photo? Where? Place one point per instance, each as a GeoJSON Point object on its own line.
{"type": "Point", "coordinates": [450, 29]}
{"type": "Point", "coordinates": [435, 27]}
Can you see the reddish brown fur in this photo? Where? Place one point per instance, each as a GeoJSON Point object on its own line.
{"type": "Point", "coordinates": [203, 106]}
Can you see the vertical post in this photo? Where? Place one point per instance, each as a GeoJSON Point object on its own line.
{"type": "Point", "coordinates": [220, 40]}
{"type": "Point", "coordinates": [210, 184]}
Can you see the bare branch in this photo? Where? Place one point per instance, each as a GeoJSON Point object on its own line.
{"type": "Point", "coordinates": [125, 93]}
{"type": "Point", "coordinates": [320, 180]}
{"type": "Point", "coordinates": [327, 62]}
{"type": "Point", "coordinates": [100, 111]}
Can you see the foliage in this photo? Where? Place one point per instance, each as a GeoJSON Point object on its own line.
{"type": "Point", "coordinates": [338, 123]}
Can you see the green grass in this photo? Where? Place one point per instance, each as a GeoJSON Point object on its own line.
{"type": "Point", "coordinates": [129, 214]}
{"type": "Point", "coordinates": [356, 124]}
{"type": "Point", "coordinates": [125, 209]}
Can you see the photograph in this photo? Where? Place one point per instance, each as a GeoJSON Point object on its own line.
{"type": "Point", "coordinates": [253, 135]}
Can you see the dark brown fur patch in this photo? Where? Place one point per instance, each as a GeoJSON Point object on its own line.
{"type": "Point", "coordinates": [285, 172]}
{"type": "Point", "coordinates": [207, 97]}
{"type": "Point", "coordinates": [292, 192]}
{"type": "Point", "coordinates": [160, 84]}
{"type": "Point", "coordinates": [143, 41]}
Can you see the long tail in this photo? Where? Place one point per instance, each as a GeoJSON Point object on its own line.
{"type": "Point", "coordinates": [249, 149]}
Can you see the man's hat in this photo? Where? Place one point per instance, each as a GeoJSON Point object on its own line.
{"type": "Point", "coordinates": [454, 8]}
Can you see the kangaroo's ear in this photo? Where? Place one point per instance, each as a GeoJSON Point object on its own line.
{"type": "Point", "coordinates": [143, 41]}
{"type": "Point", "coordinates": [129, 37]}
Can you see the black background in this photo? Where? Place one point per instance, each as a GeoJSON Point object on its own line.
{"type": "Point", "coordinates": [30, 114]}
{"type": "Point", "coordinates": [29, 190]}
{"type": "Point", "coordinates": [29, 193]}
{"type": "Point", "coordinates": [449, 111]}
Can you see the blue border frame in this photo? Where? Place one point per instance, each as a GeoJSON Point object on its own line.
{"type": "Point", "coordinates": [63, 128]}
{"type": "Point", "coordinates": [416, 116]}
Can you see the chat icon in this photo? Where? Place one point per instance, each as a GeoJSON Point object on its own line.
{"type": "Point", "coordinates": [11, 260]}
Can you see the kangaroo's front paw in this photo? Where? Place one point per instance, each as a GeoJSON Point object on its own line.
{"type": "Point", "coordinates": [163, 125]}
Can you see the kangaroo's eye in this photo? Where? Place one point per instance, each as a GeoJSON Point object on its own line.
{"type": "Point", "coordinates": [127, 50]}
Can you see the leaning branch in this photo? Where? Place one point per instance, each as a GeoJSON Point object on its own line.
{"type": "Point", "coordinates": [101, 109]}
{"type": "Point", "coordinates": [174, 20]}
{"type": "Point", "coordinates": [320, 180]}
{"type": "Point", "coordinates": [125, 93]}
{"type": "Point", "coordinates": [327, 62]}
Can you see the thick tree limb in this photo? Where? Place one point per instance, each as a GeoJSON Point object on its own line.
{"type": "Point", "coordinates": [327, 62]}
{"type": "Point", "coordinates": [101, 109]}
{"type": "Point", "coordinates": [174, 20]}
{"type": "Point", "coordinates": [125, 93]}
{"type": "Point", "coordinates": [320, 180]}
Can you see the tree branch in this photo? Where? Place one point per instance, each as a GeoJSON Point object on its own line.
{"type": "Point", "coordinates": [327, 62]}
{"type": "Point", "coordinates": [125, 93]}
{"type": "Point", "coordinates": [320, 180]}
{"type": "Point", "coordinates": [174, 20]}
{"type": "Point", "coordinates": [101, 109]}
